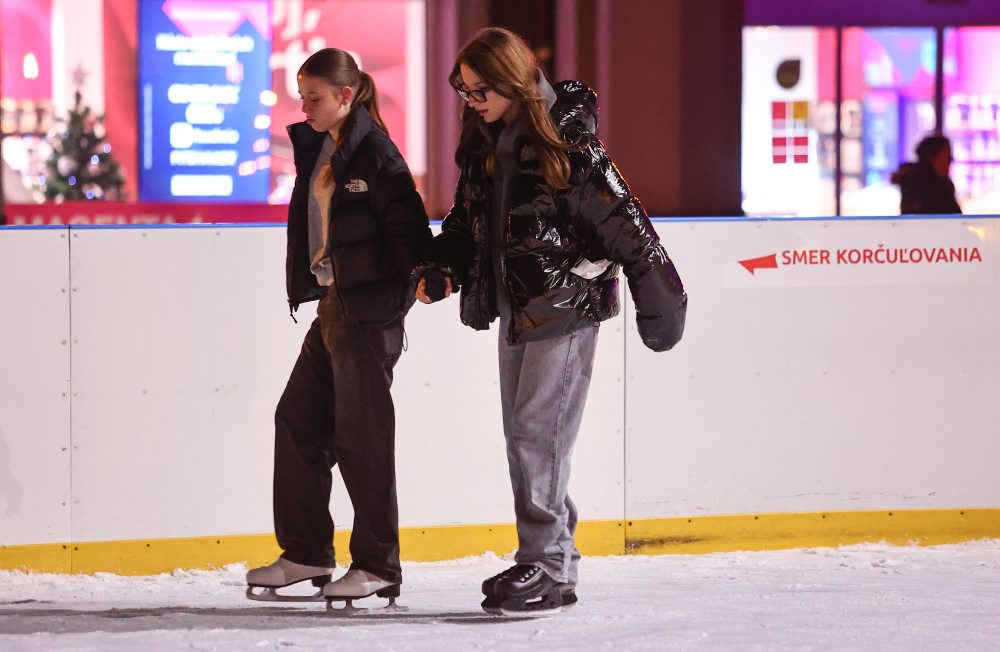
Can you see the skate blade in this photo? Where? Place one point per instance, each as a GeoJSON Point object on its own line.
{"type": "Point", "coordinates": [350, 610]}
{"type": "Point", "coordinates": [269, 594]}
{"type": "Point", "coordinates": [530, 613]}
{"type": "Point", "coordinates": [547, 605]}
{"type": "Point", "coordinates": [491, 606]}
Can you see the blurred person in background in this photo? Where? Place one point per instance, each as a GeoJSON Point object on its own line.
{"type": "Point", "coordinates": [925, 186]}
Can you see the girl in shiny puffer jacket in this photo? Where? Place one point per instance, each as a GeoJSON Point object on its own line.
{"type": "Point", "coordinates": [541, 226]}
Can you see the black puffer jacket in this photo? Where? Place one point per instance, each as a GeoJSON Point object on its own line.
{"type": "Point", "coordinates": [378, 226]}
{"type": "Point", "coordinates": [922, 190]}
{"type": "Point", "coordinates": [550, 232]}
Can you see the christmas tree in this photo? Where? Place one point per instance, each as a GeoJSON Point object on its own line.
{"type": "Point", "coordinates": [81, 166]}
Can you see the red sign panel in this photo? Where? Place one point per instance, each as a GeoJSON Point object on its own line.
{"type": "Point", "coordinates": [145, 213]}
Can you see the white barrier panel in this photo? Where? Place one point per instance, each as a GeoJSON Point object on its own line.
{"type": "Point", "coordinates": [841, 365]}
{"type": "Point", "coordinates": [844, 365]}
{"type": "Point", "coordinates": [34, 387]}
{"type": "Point", "coordinates": [183, 347]}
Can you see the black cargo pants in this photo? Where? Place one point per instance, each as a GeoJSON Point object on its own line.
{"type": "Point", "coordinates": [337, 409]}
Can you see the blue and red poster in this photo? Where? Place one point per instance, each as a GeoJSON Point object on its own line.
{"type": "Point", "coordinates": [204, 100]}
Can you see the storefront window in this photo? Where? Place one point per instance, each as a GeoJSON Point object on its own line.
{"type": "Point", "coordinates": [196, 93]}
{"type": "Point", "coordinates": [971, 120]}
{"type": "Point", "coordinates": [26, 94]}
{"type": "Point", "coordinates": [788, 111]}
{"type": "Point", "coordinates": [888, 106]}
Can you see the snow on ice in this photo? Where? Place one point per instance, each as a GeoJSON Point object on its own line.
{"type": "Point", "coordinates": [863, 597]}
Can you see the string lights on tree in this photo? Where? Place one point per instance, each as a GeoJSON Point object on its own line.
{"type": "Point", "coordinates": [82, 166]}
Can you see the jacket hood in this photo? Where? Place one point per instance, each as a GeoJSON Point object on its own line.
{"type": "Point", "coordinates": [572, 106]}
{"type": "Point", "coordinates": [575, 112]}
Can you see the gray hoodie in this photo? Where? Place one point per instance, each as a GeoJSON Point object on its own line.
{"type": "Point", "coordinates": [504, 172]}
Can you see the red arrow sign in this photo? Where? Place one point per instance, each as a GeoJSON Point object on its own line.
{"type": "Point", "coordinates": [764, 262]}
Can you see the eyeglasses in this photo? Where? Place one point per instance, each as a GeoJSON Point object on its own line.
{"type": "Point", "coordinates": [479, 94]}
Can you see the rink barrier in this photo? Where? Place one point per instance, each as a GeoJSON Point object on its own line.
{"type": "Point", "coordinates": [805, 404]}
{"type": "Point", "coordinates": [694, 535]}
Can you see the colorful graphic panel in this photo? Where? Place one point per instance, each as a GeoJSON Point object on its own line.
{"type": "Point", "coordinates": [204, 100]}
{"type": "Point", "coordinates": [790, 132]}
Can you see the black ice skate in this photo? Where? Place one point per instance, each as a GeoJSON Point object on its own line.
{"type": "Point", "coordinates": [358, 584]}
{"type": "Point", "coordinates": [526, 590]}
{"type": "Point", "coordinates": [284, 573]}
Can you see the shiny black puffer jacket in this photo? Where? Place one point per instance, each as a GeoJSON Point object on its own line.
{"type": "Point", "coordinates": [549, 232]}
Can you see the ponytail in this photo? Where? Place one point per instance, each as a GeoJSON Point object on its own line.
{"type": "Point", "coordinates": [368, 97]}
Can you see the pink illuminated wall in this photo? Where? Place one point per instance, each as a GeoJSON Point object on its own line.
{"type": "Point", "coordinates": [900, 59]}
{"type": "Point", "coordinates": [374, 31]}
{"type": "Point", "coordinates": [977, 57]}
{"type": "Point", "coordinates": [26, 31]}
{"type": "Point", "coordinates": [853, 77]}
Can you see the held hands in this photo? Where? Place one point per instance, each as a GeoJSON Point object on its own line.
{"type": "Point", "coordinates": [434, 285]}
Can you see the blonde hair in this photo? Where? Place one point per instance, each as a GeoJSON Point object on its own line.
{"type": "Point", "coordinates": [506, 64]}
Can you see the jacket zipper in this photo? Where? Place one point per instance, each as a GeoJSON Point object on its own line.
{"type": "Point", "coordinates": [503, 273]}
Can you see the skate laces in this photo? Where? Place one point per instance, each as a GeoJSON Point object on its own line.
{"type": "Point", "coordinates": [513, 570]}
{"type": "Point", "coordinates": [527, 574]}
{"type": "Point", "coordinates": [522, 572]}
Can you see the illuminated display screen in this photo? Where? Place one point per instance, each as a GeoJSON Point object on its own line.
{"type": "Point", "coordinates": [204, 100]}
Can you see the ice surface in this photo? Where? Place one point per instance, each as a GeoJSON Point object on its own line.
{"type": "Point", "coordinates": [871, 596]}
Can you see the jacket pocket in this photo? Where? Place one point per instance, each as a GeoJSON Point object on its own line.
{"type": "Point", "coordinates": [380, 302]}
{"type": "Point", "coordinates": [358, 263]}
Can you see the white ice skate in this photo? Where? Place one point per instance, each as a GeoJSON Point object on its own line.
{"type": "Point", "coordinates": [357, 584]}
{"type": "Point", "coordinates": [284, 573]}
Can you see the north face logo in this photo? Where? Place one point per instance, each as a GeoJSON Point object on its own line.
{"type": "Point", "coordinates": [356, 185]}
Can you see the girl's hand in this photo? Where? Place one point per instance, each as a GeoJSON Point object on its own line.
{"type": "Point", "coordinates": [422, 294]}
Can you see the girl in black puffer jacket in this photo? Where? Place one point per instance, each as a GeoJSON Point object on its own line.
{"type": "Point", "coordinates": [541, 226]}
{"type": "Point", "coordinates": [356, 230]}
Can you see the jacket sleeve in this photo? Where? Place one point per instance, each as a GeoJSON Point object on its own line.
{"type": "Point", "coordinates": [613, 219]}
{"type": "Point", "coordinates": [400, 213]}
{"type": "Point", "coordinates": [454, 247]}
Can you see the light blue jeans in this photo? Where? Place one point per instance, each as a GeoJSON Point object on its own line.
{"type": "Point", "coordinates": [543, 390]}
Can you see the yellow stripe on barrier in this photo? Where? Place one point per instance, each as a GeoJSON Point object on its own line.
{"type": "Point", "coordinates": [43, 558]}
{"type": "Point", "coordinates": [700, 534]}
{"type": "Point", "coordinates": [451, 542]}
{"type": "Point", "coordinates": [697, 534]}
